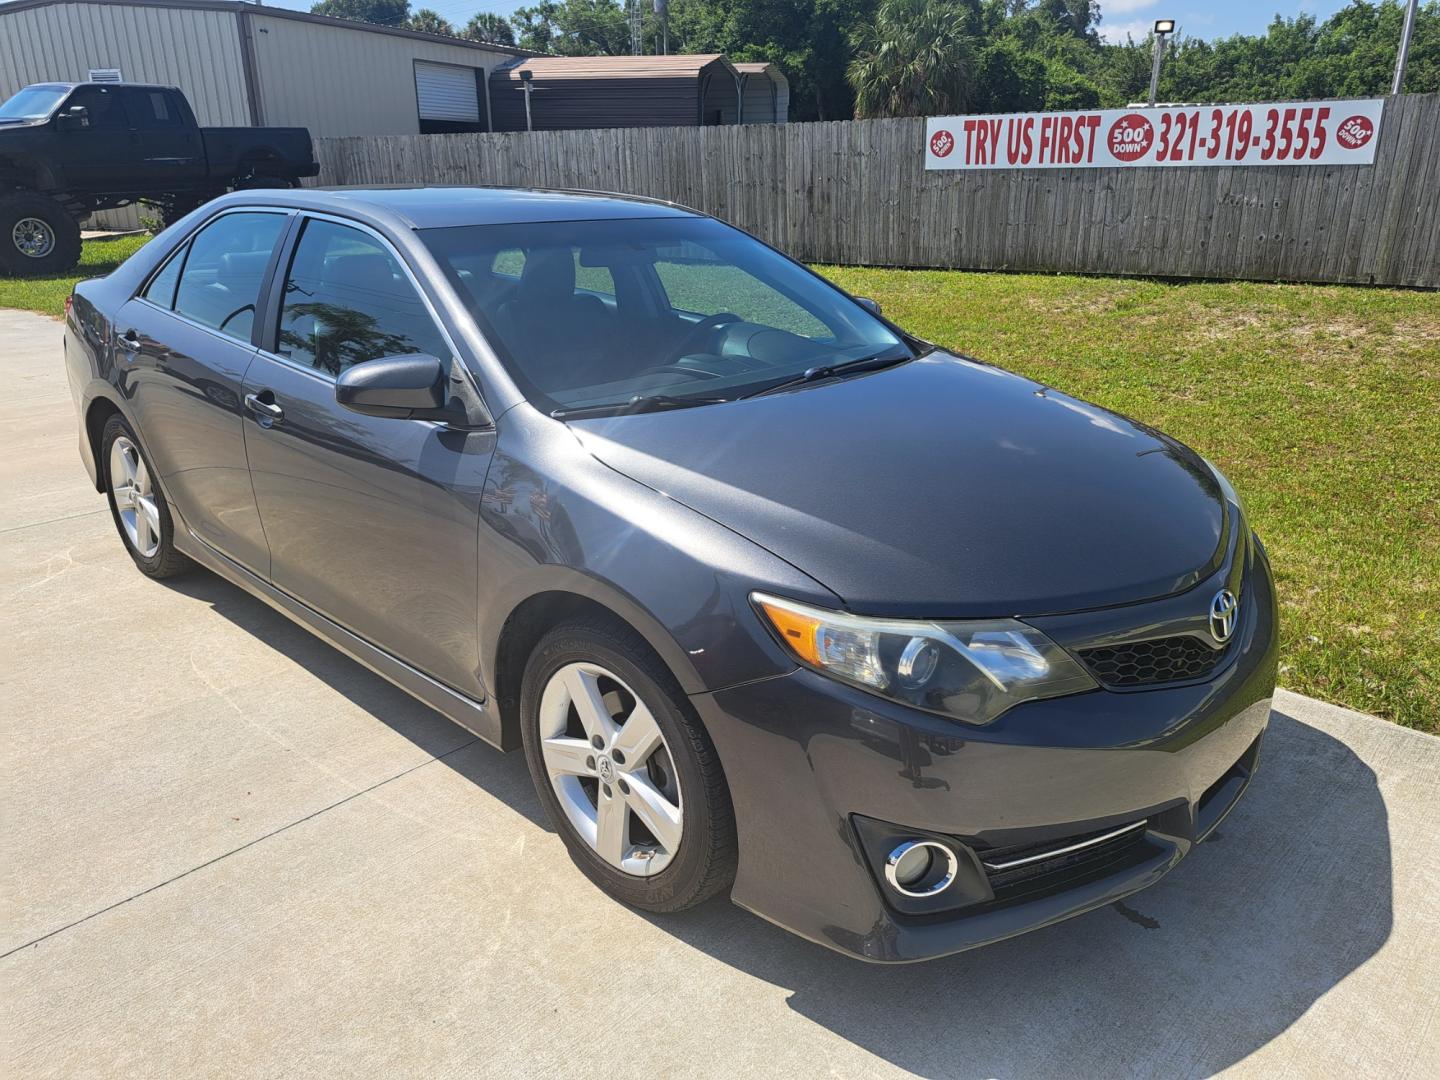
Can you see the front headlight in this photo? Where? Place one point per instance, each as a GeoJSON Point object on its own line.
{"type": "Point", "coordinates": [972, 670]}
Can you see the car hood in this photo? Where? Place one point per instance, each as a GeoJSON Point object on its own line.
{"type": "Point", "coordinates": [941, 487]}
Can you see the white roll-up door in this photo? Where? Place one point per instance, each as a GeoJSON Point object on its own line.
{"type": "Point", "coordinates": [447, 92]}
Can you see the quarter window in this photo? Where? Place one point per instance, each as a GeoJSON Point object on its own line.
{"type": "Point", "coordinates": [161, 289]}
{"type": "Point", "coordinates": [348, 300]}
{"type": "Point", "coordinates": [220, 282]}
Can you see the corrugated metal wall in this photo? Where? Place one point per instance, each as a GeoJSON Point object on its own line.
{"type": "Point", "coordinates": [338, 81]}
{"type": "Point", "coordinates": [198, 51]}
{"type": "Point", "coordinates": [564, 104]}
{"type": "Point", "coordinates": [761, 100]}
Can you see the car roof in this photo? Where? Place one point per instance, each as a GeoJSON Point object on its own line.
{"type": "Point", "coordinates": [77, 85]}
{"type": "Point", "coordinates": [443, 207]}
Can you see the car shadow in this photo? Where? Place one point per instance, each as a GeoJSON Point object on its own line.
{"type": "Point", "coordinates": [1290, 895]}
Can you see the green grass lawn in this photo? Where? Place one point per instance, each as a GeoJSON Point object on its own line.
{"type": "Point", "coordinates": [1321, 403]}
{"type": "Point", "coordinates": [47, 294]}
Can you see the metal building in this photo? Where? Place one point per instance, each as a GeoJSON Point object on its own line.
{"type": "Point", "coordinates": [242, 64]}
{"type": "Point", "coordinates": [681, 90]}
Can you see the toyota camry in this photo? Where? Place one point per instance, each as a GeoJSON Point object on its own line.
{"type": "Point", "coordinates": [900, 650]}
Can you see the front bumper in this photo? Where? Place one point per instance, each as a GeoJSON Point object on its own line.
{"type": "Point", "coordinates": [811, 762]}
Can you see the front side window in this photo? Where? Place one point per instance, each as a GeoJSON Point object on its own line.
{"type": "Point", "coordinates": [220, 281]}
{"type": "Point", "coordinates": [348, 300]}
{"type": "Point", "coordinates": [103, 109]}
{"type": "Point", "coordinates": [587, 314]}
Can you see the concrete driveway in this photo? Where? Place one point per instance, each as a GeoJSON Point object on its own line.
{"type": "Point", "coordinates": [225, 849]}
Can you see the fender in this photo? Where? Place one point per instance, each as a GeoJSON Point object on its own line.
{"type": "Point", "coordinates": [24, 169]}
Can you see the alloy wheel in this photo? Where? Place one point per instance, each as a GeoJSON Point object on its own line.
{"type": "Point", "coordinates": [610, 768]}
{"type": "Point", "coordinates": [134, 493]}
{"type": "Point", "coordinates": [33, 237]}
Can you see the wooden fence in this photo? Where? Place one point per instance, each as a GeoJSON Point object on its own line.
{"type": "Point", "coordinates": [857, 192]}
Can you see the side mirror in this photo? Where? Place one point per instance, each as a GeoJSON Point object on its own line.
{"type": "Point", "coordinates": [869, 305]}
{"type": "Point", "coordinates": [73, 118]}
{"type": "Point", "coordinates": [401, 387]}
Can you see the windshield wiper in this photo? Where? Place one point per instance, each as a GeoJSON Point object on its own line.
{"type": "Point", "coordinates": [821, 372]}
{"type": "Point", "coordinates": [637, 404]}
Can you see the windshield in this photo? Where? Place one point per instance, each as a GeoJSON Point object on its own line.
{"type": "Point", "coordinates": [594, 313]}
{"type": "Point", "coordinates": [33, 103]}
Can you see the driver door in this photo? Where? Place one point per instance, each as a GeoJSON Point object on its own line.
{"type": "Point", "coordinates": [373, 522]}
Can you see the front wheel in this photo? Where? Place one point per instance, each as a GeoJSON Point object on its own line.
{"type": "Point", "coordinates": [37, 235]}
{"type": "Point", "coordinates": [625, 769]}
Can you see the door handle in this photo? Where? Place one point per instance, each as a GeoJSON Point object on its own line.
{"type": "Point", "coordinates": [267, 411]}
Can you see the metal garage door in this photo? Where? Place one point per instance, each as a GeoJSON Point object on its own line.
{"type": "Point", "coordinates": [447, 92]}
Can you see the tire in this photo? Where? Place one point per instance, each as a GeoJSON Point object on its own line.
{"type": "Point", "coordinates": [153, 548]}
{"type": "Point", "coordinates": [37, 235]}
{"type": "Point", "coordinates": [684, 768]}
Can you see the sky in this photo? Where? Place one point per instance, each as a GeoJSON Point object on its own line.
{"type": "Point", "coordinates": [1196, 18]}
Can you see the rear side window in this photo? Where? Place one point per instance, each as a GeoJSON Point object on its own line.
{"type": "Point", "coordinates": [220, 282]}
{"type": "Point", "coordinates": [348, 300]}
{"type": "Point", "coordinates": [150, 109]}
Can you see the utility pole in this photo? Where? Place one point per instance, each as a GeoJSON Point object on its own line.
{"type": "Point", "coordinates": [1163, 29]}
{"type": "Point", "coordinates": [1403, 55]}
{"type": "Point", "coordinates": [526, 77]}
{"type": "Point", "coordinates": [662, 12]}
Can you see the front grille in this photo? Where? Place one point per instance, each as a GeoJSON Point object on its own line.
{"type": "Point", "coordinates": [1026, 872]}
{"type": "Point", "coordinates": [1145, 663]}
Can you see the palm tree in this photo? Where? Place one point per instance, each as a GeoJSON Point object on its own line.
{"type": "Point", "coordinates": [487, 26]}
{"type": "Point", "coordinates": [915, 58]}
{"type": "Point", "coordinates": [429, 21]}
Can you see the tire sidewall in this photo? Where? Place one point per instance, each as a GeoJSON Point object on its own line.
{"type": "Point", "coordinates": [581, 644]}
{"type": "Point", "coordinates": [155, 564]}
{"type": "Point", "coordinates": [63, 255]}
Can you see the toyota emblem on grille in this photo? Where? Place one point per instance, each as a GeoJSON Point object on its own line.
{"type": "Point", "coordinates": [1223, 610]}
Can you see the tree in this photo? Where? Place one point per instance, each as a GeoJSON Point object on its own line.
{"type": "Point", "coordinates": [382, 12]}
{"type": "Point", "coordinates": [574, 28]}
{"type": "Point", "coordinates": [486, 26]}
{"type": "Point", "coordinates": [430, 22]}
{"type": "Point", "coordinates": [915, 59]}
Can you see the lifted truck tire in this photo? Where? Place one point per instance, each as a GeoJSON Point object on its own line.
{"type": "Point", "coordinates": [37, 235]}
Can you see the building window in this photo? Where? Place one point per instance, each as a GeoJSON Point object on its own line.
{"type": "Point", "coordinates": [448, 96]}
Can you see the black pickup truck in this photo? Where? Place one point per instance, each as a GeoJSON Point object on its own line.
{"type": "Point", "coordinates": [69, 149]}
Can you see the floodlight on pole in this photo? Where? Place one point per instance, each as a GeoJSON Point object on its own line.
{"type": "Point", "coordinates": [1163, 29]}
{"type": "Point", "coordinates": [526, 77]}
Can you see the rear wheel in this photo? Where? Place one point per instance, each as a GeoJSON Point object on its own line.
{"type": "Point", "coordinates": [137, 505]}
{"type": "Point", "coordinates": [37, 235]}
{"type": "Point", "coordinates": [625, 769]}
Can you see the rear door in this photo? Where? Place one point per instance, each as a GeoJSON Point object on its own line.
{"type": "Point", "coordinates": [184, 344]}
{"type": "Point", "coordinates": [165, 143]}
{"type": "Point", "coordinates": [373, 522]}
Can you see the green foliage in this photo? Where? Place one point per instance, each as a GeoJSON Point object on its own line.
{"type": "Point", "coordinates": [574, 28]}
{"type": "Point", "coordinates": [487, 26]}
{"type": "Point", "coordinates": [381, 12]}
{"type": "Point", "coordinates": [916, 58]}
{"type": "Point", "coordinates": [911, 57]}
{"type": "Point", "coordinates": [430, 22]}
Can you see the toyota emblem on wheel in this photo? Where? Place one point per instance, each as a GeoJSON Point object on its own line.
{"type": "Point", "coordinates": [1222, 615]}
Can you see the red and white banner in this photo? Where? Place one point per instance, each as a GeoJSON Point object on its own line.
{"type": "Point", "coordinates": [1283, 133]}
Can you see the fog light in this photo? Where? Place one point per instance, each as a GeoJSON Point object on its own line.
{"type": "Point", "coordinates": [921, 868]}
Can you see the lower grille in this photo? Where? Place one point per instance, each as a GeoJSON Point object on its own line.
{"type": "Point", "coordinates": [1023, 872]}
{"type": "Point", "coordinates": [1146, 663]}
